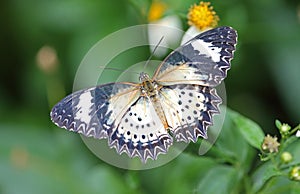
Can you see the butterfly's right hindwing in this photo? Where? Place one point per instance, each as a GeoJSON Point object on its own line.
{"type": "Point", "coordinates": [189, 110]}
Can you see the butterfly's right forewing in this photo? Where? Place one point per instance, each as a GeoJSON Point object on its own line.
{"type": "Point", "coordinates": [204, 60]}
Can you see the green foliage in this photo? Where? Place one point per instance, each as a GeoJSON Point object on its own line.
{"type": "Point", "coordinates": [36, 157]}
{"type": "Point", "coordinates": [251, 132]}
{"type": "Point", "coordinates": [60, 164]}
{"type": "Point", "coordinates": [273, 175]}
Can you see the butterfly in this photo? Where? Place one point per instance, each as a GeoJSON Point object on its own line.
{"type": "Point", "coordinates": [177, 103]}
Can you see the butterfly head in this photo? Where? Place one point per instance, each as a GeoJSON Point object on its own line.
{"type": "Point", "coordinates": [144, 77]}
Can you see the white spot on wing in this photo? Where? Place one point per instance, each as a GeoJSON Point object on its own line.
{"type": "Point", "coordinates": [84, 107]}
{"type": "Point", "coordinates": [208, 49]}
{"type": "Point", "coordinates": [141, 121]}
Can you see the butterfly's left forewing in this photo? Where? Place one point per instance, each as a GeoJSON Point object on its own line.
{"type": "Point", "coordinates": [96, 111]}
{"type": "Point", "coordinates": [204, 60]}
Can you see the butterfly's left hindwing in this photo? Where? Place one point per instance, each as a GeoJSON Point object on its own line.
{"type": "Point", "coordinates": [94, 112]}
{"type": "Point", "coordinates": [141, 132]}
{"type": "Point", "coordinates": [204, 60]}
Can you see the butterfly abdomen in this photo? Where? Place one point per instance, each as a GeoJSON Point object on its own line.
{"type": "Point", "coordinates": [159, 110]}
{"type": "Point", "coordinates": [150, 90]}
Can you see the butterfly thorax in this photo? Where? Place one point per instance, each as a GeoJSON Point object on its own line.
{"type": "Point", "coordinates": [149, 88]}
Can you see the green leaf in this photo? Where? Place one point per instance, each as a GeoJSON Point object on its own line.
{"type": "Point", "coordinates": [231, 146]}
{"type": "Point", "coordinates": [251, 131]}
{"type": "Point", "coordinates": [294, 148]}
{"type": "Point", "coordinates": [281, 185]}
{"type": "Point", "coordinates": [102, 179]}
{"type": "Point", "coordinates": [220, 179]}
{"type": "Point", "coordinates": [278, 123]}
{"type": "Point", "coordinates": [263, 174]}
{"type": "Point", "coordinates": [179, 176]}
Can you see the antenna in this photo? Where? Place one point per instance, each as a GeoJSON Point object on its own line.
{"type": "Point", "coordinates": [153, 51]}
{"type": "Point", "coordinates": [117, 69]}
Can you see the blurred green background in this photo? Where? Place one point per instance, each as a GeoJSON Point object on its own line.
{"type": "Point", "coordinates": [37, 157]}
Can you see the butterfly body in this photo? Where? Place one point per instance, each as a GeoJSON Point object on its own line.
{"type": "Point", "coordinates": [148, 86]}
{"type": "Point", "coordinates": [150, 89]}
{"type": "Point", "coordinates": [178, 102]}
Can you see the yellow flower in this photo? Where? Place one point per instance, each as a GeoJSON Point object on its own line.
{"type": "Point", "coordinates": [202, 16]}
{"type": "Point", "coordinates": [156, 11]}
{"type": "Point", "coordinates": [270, 144]}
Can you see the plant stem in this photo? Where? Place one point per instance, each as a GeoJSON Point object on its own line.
{"type": "Point", "coordinates": [295, 129]}
{"type": "Point", "coordinates": [291, 165]}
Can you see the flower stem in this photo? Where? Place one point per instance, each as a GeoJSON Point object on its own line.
{"type": "Point", "coordinates": [295, 129]}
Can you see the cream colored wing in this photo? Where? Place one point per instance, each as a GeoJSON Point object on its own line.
{"type": "Point", "coordinates": [204, 60]}
{"type": "Point", "coordinates": [189, 110]}
{"type": "Point", "coordinates": [97, 111]}
{"type": "Point", "coordinates": [140, 132]}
